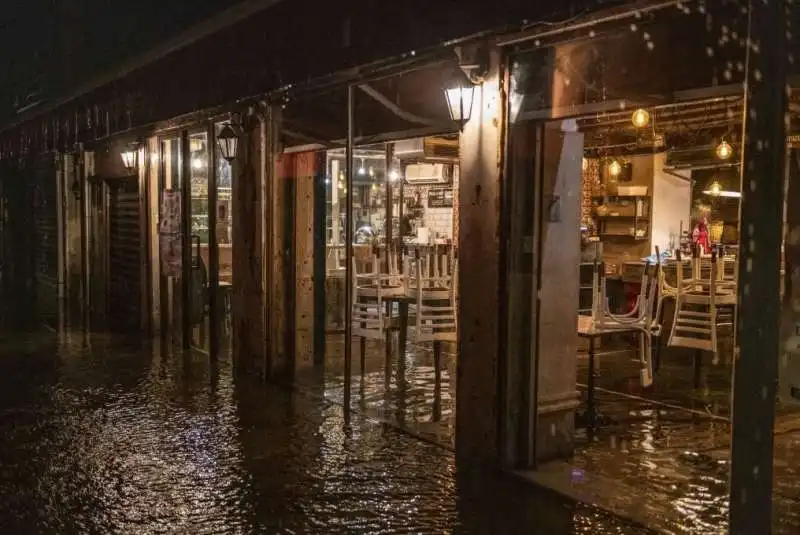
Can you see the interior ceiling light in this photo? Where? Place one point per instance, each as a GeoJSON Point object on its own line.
{"type": "Point", "coordinates": [716, 189]}
{"type": "Point", "coordinates": [640, 118]}
{"type": "Point", "coordinates": [614, 168]}
{"type": "Point", "coordinates": [724, 150]}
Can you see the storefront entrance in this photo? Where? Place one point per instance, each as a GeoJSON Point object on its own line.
{"type": "Point", "coordinates": [624, 192]}
{"type": "Point", "coordinates": [403, 261]}
{"type": "Point", "coordinates": [190, 238]}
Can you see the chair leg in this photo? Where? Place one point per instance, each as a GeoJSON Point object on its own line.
{"type": "Point", "coordinates": [363, 349]}
{"type": "Point", "coordinates": [698, 367]}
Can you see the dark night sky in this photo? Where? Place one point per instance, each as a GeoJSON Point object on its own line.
{"type": "Point", "coordinates": [36, 37]}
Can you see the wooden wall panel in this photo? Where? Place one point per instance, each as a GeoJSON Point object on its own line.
{"type": "Point", "coordinates": [305, 171]}
{"type": "Point", "coordinates": [248, 298]}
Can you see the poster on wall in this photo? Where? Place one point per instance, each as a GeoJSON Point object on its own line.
{"type": "Point", "coordinates": [169, 231]}
{"type": "Point", "coordinates": [170, 214]}
{"type": "Point", "coordinates": [440, 198]}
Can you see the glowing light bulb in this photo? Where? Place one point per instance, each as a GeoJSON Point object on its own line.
{"type": "Point", "coordinates": [197, 163]}
{"type": "Point", "coordinates": [724, 150]}
{"type": "Point", "coordinates": [371, 171]}
{"type": "Point", "coordinates": [614, 168]}
{"type": "Point", "coordinates": [640, 118]}
{"type": "Point", "coordinates": [394, 175]}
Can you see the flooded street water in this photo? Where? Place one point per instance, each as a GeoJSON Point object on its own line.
{"type": "Point", "coordinates": [100, 437]}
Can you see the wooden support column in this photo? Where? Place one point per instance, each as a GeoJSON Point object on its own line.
{"type": "Point", "coordinates": [247, 299]}
{"type": "Point", "coordinates": [306, 170]}
{"type": "Point", "coordinates": [479, 280]}
{"type": "Point", "coordinates": [277, 361]}
{"type": "Point", "coordinates": [299, 174]}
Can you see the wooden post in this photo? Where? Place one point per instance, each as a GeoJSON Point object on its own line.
{"type": "Point", "coordinates": [276, 360]}
{"type": "Point", "coordinates": [479, 278]}
{"type": "Point", "coordinates": [247, 298]}
{"type": "Point", "coordinates": [348, 241]}
{"type": "Point", "coordinates": [213, 245]}
{"type": "Point", "coordinates": [186, 241]}
{"type": "Point", "coordinates": [756, 366]}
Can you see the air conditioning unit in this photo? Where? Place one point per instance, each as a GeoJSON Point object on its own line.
{"type": "Point", "coordinates": [428, 173]}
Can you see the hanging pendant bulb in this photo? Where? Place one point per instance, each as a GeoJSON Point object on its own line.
{"type": "Point", "coordinates": [724, 150]}
{"type": "Point", "coordinates": [640, 118]}
{"type": "Point", "coordinates": [614, 168]}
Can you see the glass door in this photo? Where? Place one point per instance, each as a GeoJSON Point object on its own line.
{"type": "Point", "coordinates": [199, 303]}
{"type": "Point", "coordinates": [223, 224]}
{"type": "Point", "coordinates": [170, 237]}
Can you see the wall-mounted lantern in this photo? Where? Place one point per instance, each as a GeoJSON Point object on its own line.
{"type": "Point", "coordinates": [129, 158]}
{"type": "Point", "coordinates": [228, 143]}
{"type": "Point", "coordinates": [459, 103]}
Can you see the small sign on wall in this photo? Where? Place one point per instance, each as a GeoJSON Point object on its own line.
{"type": "Point", "coordinates": [440, 198]}
{"type": "Point", "coordinates": [169, 233]}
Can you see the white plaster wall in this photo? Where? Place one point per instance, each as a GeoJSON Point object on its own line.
{"type": "Point", "coordinates": [671, 204]}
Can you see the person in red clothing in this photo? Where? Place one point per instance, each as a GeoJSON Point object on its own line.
{"type": "Point", "coordinates": [700, 236]}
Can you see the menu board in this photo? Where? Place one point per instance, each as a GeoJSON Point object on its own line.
{"type": "Point", "coordinates": [440, 198]}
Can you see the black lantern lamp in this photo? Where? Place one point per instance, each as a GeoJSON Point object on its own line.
{"type": "Point", "coordinates": [129, 158]}
{"type": "Point", "coordinates": [228, 142]}
{"type": "Point", "coordinates": [459, 102]}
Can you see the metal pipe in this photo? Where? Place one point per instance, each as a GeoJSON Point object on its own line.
{"type": "Point", "coordinates": [79, 162]}
{"type": "Point", "coordinates": [213, 244]}
{"type": "Point", "coordinates": [389, 198]}
{"type": "Point", "coordinates": [620, 13]}
{"type": "Point", "coordinates": [348, 236]}
{"type": "Point", "coordinates": [186, 239]}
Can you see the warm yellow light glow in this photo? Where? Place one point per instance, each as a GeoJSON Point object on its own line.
{"type": "Point", "coordinates": [129, 159]}
{"type": "Point", "coordinates": [459, 102]}
{"type": "Point", "coordinates": [715, 189]}
{"type": "Point", "coordinates": [640, 118]}
{"type": "Point", "coordinates": [585, 164]}
{"type": "Point", "coordinates": [614, 168]}
{"type": "Point", "coordinates": [724, 150]}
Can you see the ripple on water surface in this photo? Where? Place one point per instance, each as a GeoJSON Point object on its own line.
{"type": "Point", "coordinates": [98, 437]}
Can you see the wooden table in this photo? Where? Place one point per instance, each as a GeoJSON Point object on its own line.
{"type": "Point", "coordinates": [591, 331]}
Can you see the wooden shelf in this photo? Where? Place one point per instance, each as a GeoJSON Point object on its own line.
{"type": "Point", "coordinates": [642, 218]}
{"type": "Point", "coordinates": [629, 236]}
{"type": "Point", "coordinates": [621, 197]}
